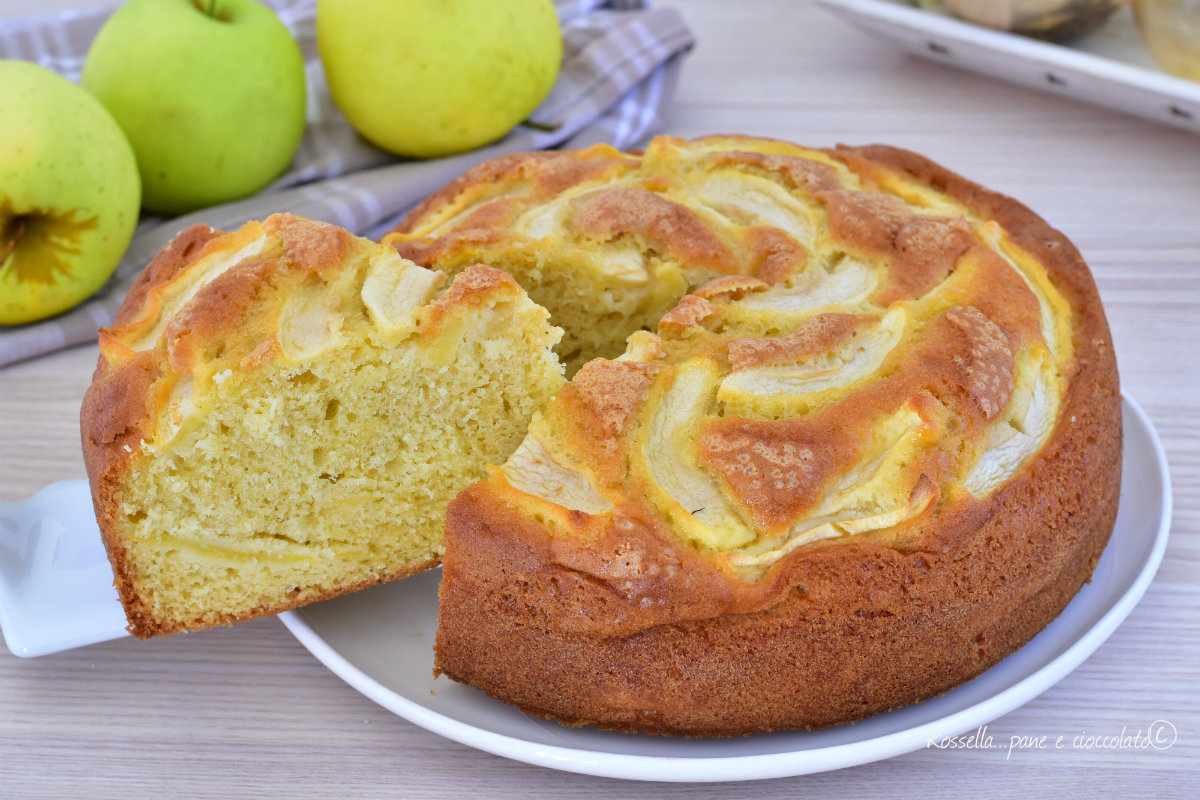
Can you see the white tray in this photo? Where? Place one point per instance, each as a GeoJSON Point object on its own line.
{"type": "Point", "coordinates": [56, 586]}
{"type": "Point", "coordinates": [1109, 67]}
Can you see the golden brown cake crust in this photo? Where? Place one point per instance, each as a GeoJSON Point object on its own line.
{"type": "Point", "coordinates": [551, 173]}
{"type": "Point", "coordinates": [545, 174]}
{"type": "Point", "coordinates": [118, 408]}
{"type": "Point", "coordinates": [619, 624]}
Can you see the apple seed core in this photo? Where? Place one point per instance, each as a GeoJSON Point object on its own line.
{"type": "Point", "coordinates": [35, 247]}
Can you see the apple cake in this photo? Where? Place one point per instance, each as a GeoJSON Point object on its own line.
{"type": "Point", "coordinates": [872, 446]}
{"type": "Point", "coordinates": [281, 414]}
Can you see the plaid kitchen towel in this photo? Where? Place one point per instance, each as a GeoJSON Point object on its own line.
{"type": "Point", "coordinates": [620, 62]}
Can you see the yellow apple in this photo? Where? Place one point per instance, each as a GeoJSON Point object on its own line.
{"type": "Point", "coordinates": [211, 94]}
{"type": "Point", "coordinates": [427, 78]}
{"type": "Point", "coordinates": [69, 193]}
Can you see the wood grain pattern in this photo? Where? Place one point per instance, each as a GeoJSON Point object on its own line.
{"type": "Point", "coordinates": [247, 712]}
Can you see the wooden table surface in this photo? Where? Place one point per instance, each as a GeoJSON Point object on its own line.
{"type": "Point", "coordinates": [247, 712]}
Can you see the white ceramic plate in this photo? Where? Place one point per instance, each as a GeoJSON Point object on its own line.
{"type": "Point", "coordinates": [381, 642]}
{"type": "Point", "coordinates": [1109, 67]}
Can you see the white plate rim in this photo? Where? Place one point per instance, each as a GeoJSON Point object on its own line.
{"type": "Point", "coordinates": [770, 765]}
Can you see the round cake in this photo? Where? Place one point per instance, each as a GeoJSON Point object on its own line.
{"type": "Point", "coordinates": [872, 448]}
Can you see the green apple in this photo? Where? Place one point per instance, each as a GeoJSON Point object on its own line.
{"type": "Point", "coordinates": [427, 78]}
{"type": "Point", "coordinates": [211, 94]}
{"type": "Point", "coordinates": [69, 193]}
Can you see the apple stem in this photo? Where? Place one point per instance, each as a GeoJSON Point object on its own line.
{"type": "Point", "coordinates": [541, 126]}
{"type": "Point", "coordinates": [18, 233]}
{"type": "Point", "coordinates": [209, 9]}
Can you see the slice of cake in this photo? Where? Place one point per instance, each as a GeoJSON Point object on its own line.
{"type": "Point", "coordinates": [281, 414]}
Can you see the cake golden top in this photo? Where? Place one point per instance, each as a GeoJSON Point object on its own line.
{"type": "Point", "coordinates": [215, 305]}
{"type": "Point", "coordinates": [870, 342]}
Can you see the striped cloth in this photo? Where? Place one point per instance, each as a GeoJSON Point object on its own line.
{"type": "Point", "coordinates": [620, 62]}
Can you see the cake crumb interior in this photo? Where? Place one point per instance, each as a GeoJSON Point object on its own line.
{"type": "Point", "coordinates": [312, 478]}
